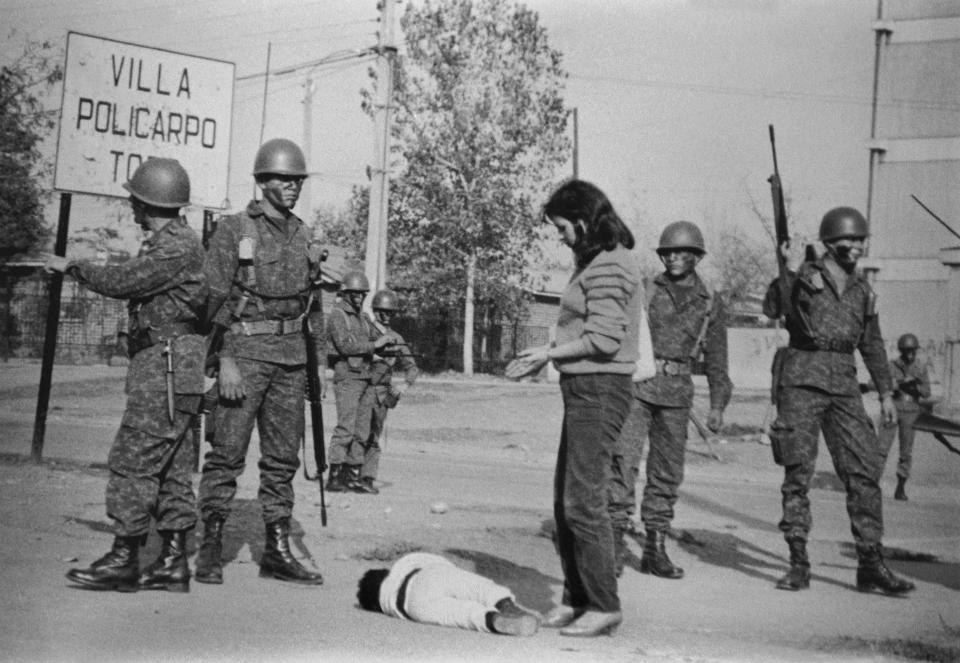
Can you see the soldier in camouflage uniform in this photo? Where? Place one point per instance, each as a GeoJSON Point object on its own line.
{"type": "Point", "coordinates": [386, 392]}
{"type": "Point", "coordinates": [685, 319]}
{"type": "Point", "coordinates": [263, 272]}
{"type": "Point", "coordinates": [911, 386]}
{"type": "Point", "coordinates": [829, 311]}
{"type": "Point", "coordinates": [151, 459]}
{"type": "Point", "coordinates": [353, 340]}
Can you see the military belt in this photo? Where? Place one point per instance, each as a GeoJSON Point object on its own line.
{"type": "Point", "coordinates": [264, 327]}
{"type": "Point", "coordinates": [840, 345]}
{"type": "Point", "coordinates": [672, 367]}
{"type": "Point", "coordinates": [144, 338]}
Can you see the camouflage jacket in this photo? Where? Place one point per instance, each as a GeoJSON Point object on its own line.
{"type": "Point", "coordinates": [351, 337]}
{"type": "Point", "coordinates": [277, 285]}
{"type": "Point", "coordinates": [907, 395]}
{"type": "Point", "coordinates": [384, 366]}
{"type": "Point", "coordinates": [164, 285]}
{"type": "Point", "coordinates": [676, 315]}
{"type": "Point", "coordinates": [825, 326]}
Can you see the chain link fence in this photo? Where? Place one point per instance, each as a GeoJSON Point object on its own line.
{"type": "Point", "coordinates": [92, 327]}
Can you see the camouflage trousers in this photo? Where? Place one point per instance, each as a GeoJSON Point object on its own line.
{"type": "Point", "coordinates": [151, 463]}
{"type": "Point", "coordinates": [666, 427]}
{"type": "Point", "coordinates": [378, 419]}
{"type": "Point", "coordinates": [274, 402]}
{"type": "Point", "coordinates": [355, 401]}
{"type": "Point", "coordinates": [904, 429]}
{"type": "Point", "coordinates": [857, 458]}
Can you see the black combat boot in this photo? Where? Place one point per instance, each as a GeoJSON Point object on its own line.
{"type": "Point", "coordinates": [335, 480]}
{"type": "Point", "coordinates": [277, 561]}
{"type": "Point", "coordinates": [900, 493]}
{"type": "Point", "coordinates": [873, 574]}
{"type": "Point", "coordinates": [619, 551]}
{"type": "Point", "coordinates": [798, 576]}
{"type": "Point", "coordinates": [351, 478]}
{"type": "Point", "coordinates": [365, 485]}
{"type": "Point", "coordinates": [170, 570]}
{"type": "Point", "coordinates": [209, 563]}
{"type": "Point", "coordinates": [655, 560]}
{"type": "Point", "coordinates": [118, 569]}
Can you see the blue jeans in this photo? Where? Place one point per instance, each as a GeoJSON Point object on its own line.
{"type": "Point", "coordinates": [594, 409]}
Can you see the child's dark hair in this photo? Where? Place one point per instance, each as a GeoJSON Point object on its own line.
{"type": "Point", "coordinates": [603, 230]}
{"type": "Point", "coordinates": [368, 589]}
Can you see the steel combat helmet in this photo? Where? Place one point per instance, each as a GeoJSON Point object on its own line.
{"type": "Point", "coordinates": [161, 183]}
{"type": "Point", "coordinates": [843, 222]}
{"type": "Point", "coordinates": [908, 342]}
{"type": "Point", "coordinates": [354, 281]}
{"type": "Point", "coordinates": [280, 156]}
{"type": "Point", "coordinates": [385, 300]}
{"type": "Point", "coordinates": [681, 235]}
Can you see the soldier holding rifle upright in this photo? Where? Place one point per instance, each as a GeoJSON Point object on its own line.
{"type": "Point", "coordinates": [262, 268]}
{"type": "Point", "coordinates": [152, 458]}
{"type": "Point", "coordinates": [830, 311]}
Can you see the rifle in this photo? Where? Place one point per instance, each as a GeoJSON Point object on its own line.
{"type": "Point", "coordinates": [704, 433]}
{"type": "Point", "coordinates": [930, 212]}
{"type": "Point", "coordinates": [316, 410]}
{"type": "Point", "coordinates": [781, 231]}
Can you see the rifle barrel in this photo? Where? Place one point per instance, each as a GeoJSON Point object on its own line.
{"type": "Point", "coordinates": [930, 212]}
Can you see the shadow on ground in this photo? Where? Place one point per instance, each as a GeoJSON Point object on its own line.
{"type": "Point", "coordinates": [915, 565]}
{"type": "Point", "coordinates": [244, 527]}
{"type": "Point", "coordinates": [531, 587]}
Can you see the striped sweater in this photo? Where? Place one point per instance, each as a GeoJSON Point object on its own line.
{"type": "Point", "coordinates": [598, 327]}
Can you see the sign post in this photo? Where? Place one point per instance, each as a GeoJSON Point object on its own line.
{"type": "Point", "coordinates": [123, 104]}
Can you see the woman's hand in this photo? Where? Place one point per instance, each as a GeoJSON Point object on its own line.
{"type": "Point", "coordinates": [528, 362]}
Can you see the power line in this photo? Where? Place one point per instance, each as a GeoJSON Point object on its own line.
{"type": "Point", "coordinates": [333, 58]}
{"type": "Point", "coordinates": [773, 94]}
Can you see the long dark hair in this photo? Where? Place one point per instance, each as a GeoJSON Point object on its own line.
{"type": "Point", "coordinates": [602, 230]}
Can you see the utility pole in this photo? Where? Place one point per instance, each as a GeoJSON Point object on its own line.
{"type": "Point", "coordinates": [576, 145]}
{"type": "Point", "coordinates": [376, 256]}
{"type": "Point", "coordinates": [263, 111]}
{"type": "Point", "coordinates": [306, 199]}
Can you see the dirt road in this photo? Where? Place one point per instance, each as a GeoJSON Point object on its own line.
{"type": "Point", "coordinates": [485, 449]}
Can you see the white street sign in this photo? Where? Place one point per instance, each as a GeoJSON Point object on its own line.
{"type": "Point", "coordinates": [124, 103]}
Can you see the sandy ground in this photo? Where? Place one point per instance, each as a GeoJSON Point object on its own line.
{"type": "Point", "coordinates": [484, 448]}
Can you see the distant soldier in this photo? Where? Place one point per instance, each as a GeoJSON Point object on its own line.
{"type": "Point", "coordinates": [830, 311]}
{"type": "Point", "coordinates": [151, 459]}
{"type": "Point", "coordinates": [353, 340]}
{"type": "Point", "coordinates": [686, 320]}
{"type": "Point", "coordinates": [911, 385]}
{"type": "Point", "coordinates": [262, 269]}
{"type": "Point", "coordinates": [386, 392]}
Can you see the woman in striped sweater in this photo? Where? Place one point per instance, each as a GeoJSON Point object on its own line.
{"type": "Point", "coordinates": [596, 352]}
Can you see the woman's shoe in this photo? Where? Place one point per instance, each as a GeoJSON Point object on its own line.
{"type": "Point", "coordinates": [592, 623]}
{"type": "Point", "coordinates": [561, 616]}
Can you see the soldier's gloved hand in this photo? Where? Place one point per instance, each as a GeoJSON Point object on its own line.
{"type": "Point", "coordinates": [385, 340]}
{"type": "Point", "coordinates": [888, 410]}
{"type": "Point", "coordinates": [55, 264]}
{"type": "Point", "coordinates": [231, 381]}
{"type": "Point", "coordinates": [715, 421]}
{"type": "Point", "coordinates": [398, 390]}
